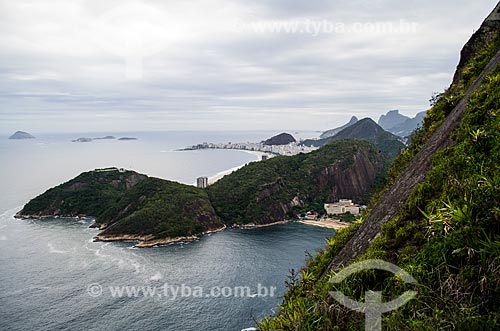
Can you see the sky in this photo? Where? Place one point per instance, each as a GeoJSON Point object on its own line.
{"type": "Point", "coordinates": [83, 66]}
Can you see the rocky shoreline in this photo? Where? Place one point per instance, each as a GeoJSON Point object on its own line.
{"type": "Point", "coordinates": [149, 241]}
{"type": "Point", "coordinates": [256, 226]}
{"type": "Point", "coordinates": [145, 241]}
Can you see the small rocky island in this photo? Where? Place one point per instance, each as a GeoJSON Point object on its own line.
{"type": "Point", "coordinates": [87, 140]}
{"type": "Point", "coordinates": [82, 140]}
{"type": "Point", "coordinates": [21, 135]}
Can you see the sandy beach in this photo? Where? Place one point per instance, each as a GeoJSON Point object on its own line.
{"type": "Point", "coordinates": [327, 223]}
{"type": "Point", "coordinates": [221, 174]}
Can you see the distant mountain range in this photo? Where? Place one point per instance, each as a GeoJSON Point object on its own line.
{"type": "Point", "coordinates": [393, 122]}
{"type": "Point", "coordinates": [400, 124]}
{"type": "Point", "coordinates": [365, 129]}
{"type": "Point", "coordinates": [391, 119]}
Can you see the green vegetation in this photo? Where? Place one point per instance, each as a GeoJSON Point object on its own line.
{"type": "Point", "coordinates": [161, 208]}
{"type": "Point", "coordinates": [90, 193]}
{"type": "Point", "coordinates": [128, 203]}
{"type": "Point", "coordinates": [365, 129]}
{"type": "Point", "coordinates": [263, 192]}
{"type": "Point", "coordinates": [346, 217]}
{"type": "Point", "coordinates": [447, 236]}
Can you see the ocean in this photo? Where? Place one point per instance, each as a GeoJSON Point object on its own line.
{"type": "Point", "coordinates": [53, 276]}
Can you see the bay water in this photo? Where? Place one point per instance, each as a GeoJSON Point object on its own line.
{"type": "Point", "coordinates": [53, 276]}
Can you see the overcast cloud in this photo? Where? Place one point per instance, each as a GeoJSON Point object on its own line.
{"type": "Point", "coordinates": [207, 64]}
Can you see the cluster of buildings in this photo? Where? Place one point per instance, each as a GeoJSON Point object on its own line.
{"type": "Point", "coordinates": [290, 149]}
{"type": "Point", "coordinates": [341, 207]}
{"type": "Point", "coordinates": [334, 209]}
{"type": "Point", "coordinates": [110, 169]}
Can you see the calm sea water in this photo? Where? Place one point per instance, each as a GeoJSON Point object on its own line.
{"type": "Point", "coordinates": [47, 266]}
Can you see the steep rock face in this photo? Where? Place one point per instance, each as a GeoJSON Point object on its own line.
{"type": "Point", "coordinates": [436, 219]}
{"type": "Point", "coordinates": [397, 194]}
{"type": "Point", "coordinates": [338, 181]}
{"type": "Point", "coordinates": [478, 41]}
{"type": "Point", "coordinates": [354, 181]}
{"type": "Point", "coordinates": [266, 192]}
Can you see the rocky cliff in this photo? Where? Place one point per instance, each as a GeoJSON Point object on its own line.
{"type": "Point", "coordinates": [397, 194]}
{"type": "Point", "coordinates": [270, 191]}
{"type": "Point", "coordinates": [354, 181]}
{"type": "Point", "coordinates": [437, 218]}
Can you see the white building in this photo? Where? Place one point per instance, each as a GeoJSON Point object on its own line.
{"type": "Point", "coordinates": [342, 207]}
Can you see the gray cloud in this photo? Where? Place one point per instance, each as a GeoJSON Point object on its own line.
{"type": "Point", "coordinates": [206, 65]}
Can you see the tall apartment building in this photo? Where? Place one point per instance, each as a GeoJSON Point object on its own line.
{"type": "Point", "coordinates": [202, 182]}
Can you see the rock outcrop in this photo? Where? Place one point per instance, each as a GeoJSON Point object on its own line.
{"type": "Point", "coordinates": [20, 135]}
{"type": "Point", "coordinates": [281, 139]}
{"type": "Point", "coordinates": [436, 219]}
{"type": "Point", "coordinates": [266, 192]}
